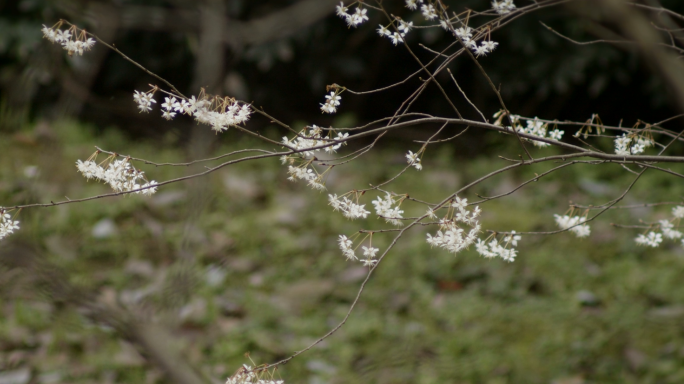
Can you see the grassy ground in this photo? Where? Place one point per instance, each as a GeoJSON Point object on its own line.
{"type": "Point", "coordinates": [245, 261]}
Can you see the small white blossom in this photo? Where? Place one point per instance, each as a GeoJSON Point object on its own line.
{"type": "Point", "coordinates": [7, 225]}
{"type": "Point", "coordinates": [414, 160]}
{"type": "Point", "coordinates": [494, 249]}
{"type": "Point", "coordinates": [120, 175]}
{"type": "Point", "coordinates": [384, 207]}
{"type": "Point", "coordinates": [678, 212]}
{"type": "Point", "coordinates": [629, 145]}
{"type": "Point", "coordinates": [428, 11]}
{"type": "Point", "coordinates": [413, 4]}
{"type": "Point", "coordinates": [369, 262]}
{"type": "Point", "coordinates": [404, 26]}
{"type": "Point", "coordinates": [574, 224]}
{"type": "Point", "coordinates": [353, 20]}
{"type": "Point", "coordinates": [331, 103]}
{"type": "Point", "coordinates": [512, 239]}
{"type": "Point", "coordinates": [348, 208]}
{"type": "Point", "coordinates": [76, 43]}
{"type": "Point", "coordinates": [653, 239]}
{"type": "Point", "coordinates": [370, 252]}
{"type": "Point", "coordinates": [397, 38]}
{"type": "Point", "coordinates": [144, 101]}
{"type": "Point", "coordinates": [341, 10]}
{"type": "Point", "coordinates": [346, 247]}
{"type": "Point", "coordinates": [358, 17]}
{"type": "Point", "coordinates": [503, 7]}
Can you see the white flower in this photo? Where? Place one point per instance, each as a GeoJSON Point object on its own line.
{"type": "Point", "coordinates": [512, 239]}
{"type": "Point", "coordinates": [397, 38]}
{"type": "Point", "coordinates": [120, 176]}
{"type": "Point", "coordinates": [482, 248]}
{"type": "Point", "coordinates": [331, 103]}
{"type": "Point", "coordinates": [459, 203]}
{"type": "Point", "coordinates": [346, 247]}
{"type": "Point", "coordinates": [428, 11]}
{"type": "Point", "coordinates": [622, 145]}
{"type": "Point", "coordinates": [565, 222]}
{"type": "Point", "coordinates": [170, 104]}
{"type": "Point", "coordinates": [370, 252]}
{"type": "Point", "coordinates": [678, 212]}
{"type": "Point", "coordinates": [168, 115]}
{"type": "Point", "coordinates": [349, 208]}
{"type": "Point", "coordinates": [433, 241]}
{"type": "Point", "coordinates": [480, 50]}
{"type": "Point", "coordinates": [144, 101]}
{"type": "Point", "coordinates": [341, 10]}
{"type": "Point", "coordinates": [404, 26]}
{"type": "Point", "coordinates": [7, 225]}
{"type": "Point", "coordinates": [503, 7]}
{"type": "Point", "coordinates": [668, 231]}
{"type": "Point", "coordinates": [89, 169]}
{"type": "Point", "coordinates": [383, 207]}
{"type": "Point", "coordinates": [413, 4]}
{"type": "Point", "coordinates": [49, 33]}
{"type": "Point", "coordinates": [369, 262]}
{"type": "Point", "coordinates": [149, 191]}
{"type": "Point", "coordinates": [464, 33]}
{"type": "Point", "coordinates": [358, 17]}
{"type": "Point", "coordinates": [489, 45]}
{"type": "Point", "coordinates": [414, 160]}
{"type": "Point", "coordinates": [556, 134]}
{"type": "Point", "coordinates": [383, 31]}
{"type": "Point", "coordinates": [652, 240]}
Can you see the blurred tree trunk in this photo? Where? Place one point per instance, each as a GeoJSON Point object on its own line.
{"type": "Point", "coordinates": [209, 70]}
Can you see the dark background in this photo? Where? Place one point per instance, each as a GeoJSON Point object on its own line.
{"type": "Point", "coordinates": [281, 57]}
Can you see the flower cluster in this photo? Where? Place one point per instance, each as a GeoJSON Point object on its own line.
{"type": "Point", "coordinates": [678, 212]}
{"type": "Point", "coordinates": [349, 209]}
{"type": "Point", "coordinates": [413, 4]}
{"type": "Point", "coordinates": [632, 145]}
{"type": "Point", "coordinates": [574, 224]}
{"type": "Point", "coordinates": [119, 174]}
{"type": "Point", "coordinates": [332, 101]}
{"type": "Point", "coordinates": [451, 236]}
{"type": "Point", "coordinates": [7, 225]}
{"type": "Point", "coordinates": [396, 37]}
{"type": "Point", "coordinates": [347, 247]}
{"type": "Point", "coordinates": [352, 19]}
{"type": "Point", "coordinates": [71, 39]}
{"type": "Point", "coordinates": [385, 208]}
{"type": "Point", "coordinates": [218, 112]}
{"type": "Point", "coordinates": [503, 7]}
{"type": "Point", "coordinates": [534, 127]}
{"type": "Point", "coordinates": [414, 160]}
{"type": "Point", "coordinates": [653, 238]}
{"type": "Point", "coordinates": [494, 249]}
{"type": "Point", "coordinates": [314, 138]}
{"type": "Point", "coordinates": [466, 34]}
{"type": "Point", "coordinates": [369, 253]}
{"type": "Point", "coordinates": [428, 10]}
{"type": "Point", "coordinates": [248, 375]}
{"type": "Point", "coordinates": [144, 100]}
{"type": "Point", "coordinates": [307, 174]}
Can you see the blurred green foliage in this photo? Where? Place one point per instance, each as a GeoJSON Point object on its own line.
{"type": "Point", "coordinates": [245, 261]}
